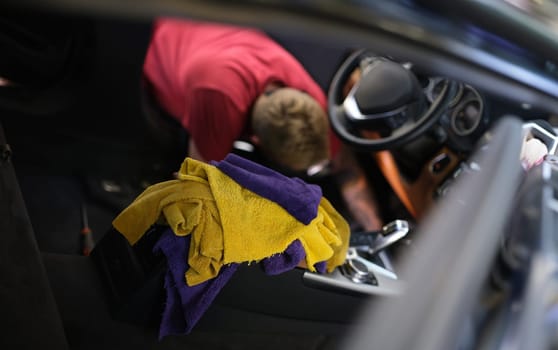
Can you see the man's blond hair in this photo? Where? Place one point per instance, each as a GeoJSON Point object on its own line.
{"type": "Point", "coordinates": [292, 128]}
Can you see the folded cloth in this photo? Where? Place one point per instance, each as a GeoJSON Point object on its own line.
{"type": "Point", "coordinates": [185, 305]}
{"type": "Point", "coordinates": [231, 224]}
{"type": "Point", "coordinates": [297, 197]}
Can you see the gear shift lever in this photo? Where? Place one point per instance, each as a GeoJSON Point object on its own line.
{"type": "Point", "coordinates": [372, 242]}
{"type": "Point", "coordinates": [360, 274]}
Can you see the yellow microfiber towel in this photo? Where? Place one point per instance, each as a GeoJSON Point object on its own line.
{"type": "Point", "coordinates": [230, 224]}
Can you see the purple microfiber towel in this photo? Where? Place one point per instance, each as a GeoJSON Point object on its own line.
{"type": "Point", "coordinates": [185, 305]}
{"type": "Point", "coordinates": [285, 261]}
{"type": "Point", "coordinates": [298, 198]}
{"type": "Point", "coordinates": [321, 267]}
{"type": "Point", "coordinates": [288, 260]}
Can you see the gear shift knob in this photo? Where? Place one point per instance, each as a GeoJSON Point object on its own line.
{"type": "Point", "coordinates": [372, 242]}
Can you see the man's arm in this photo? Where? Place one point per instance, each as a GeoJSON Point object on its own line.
{"type": "Point", "coordinates": [215, 122]}
{"type": "Point", "coordinates": [193, 151]}
{"type": "Point", "coordinates": [356, 192]}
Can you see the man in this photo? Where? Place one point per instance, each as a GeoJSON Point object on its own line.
{"type": "Point", "coordinates": [224, 83]}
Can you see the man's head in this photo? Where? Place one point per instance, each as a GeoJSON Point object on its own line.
{"type": "Point", "coordinates": [291, 129]}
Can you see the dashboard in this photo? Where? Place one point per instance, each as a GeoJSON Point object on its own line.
{"type": "Point", "coordinates": [428, 165]}
{"type": "Point", "coordinates": [468, 116]}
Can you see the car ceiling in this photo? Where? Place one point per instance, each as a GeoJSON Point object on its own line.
{"type": "Point", "coordinates": [434, 39]}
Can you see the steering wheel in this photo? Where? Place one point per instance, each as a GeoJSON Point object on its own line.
{"type": "Point", "coordinates": [388, 96]}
